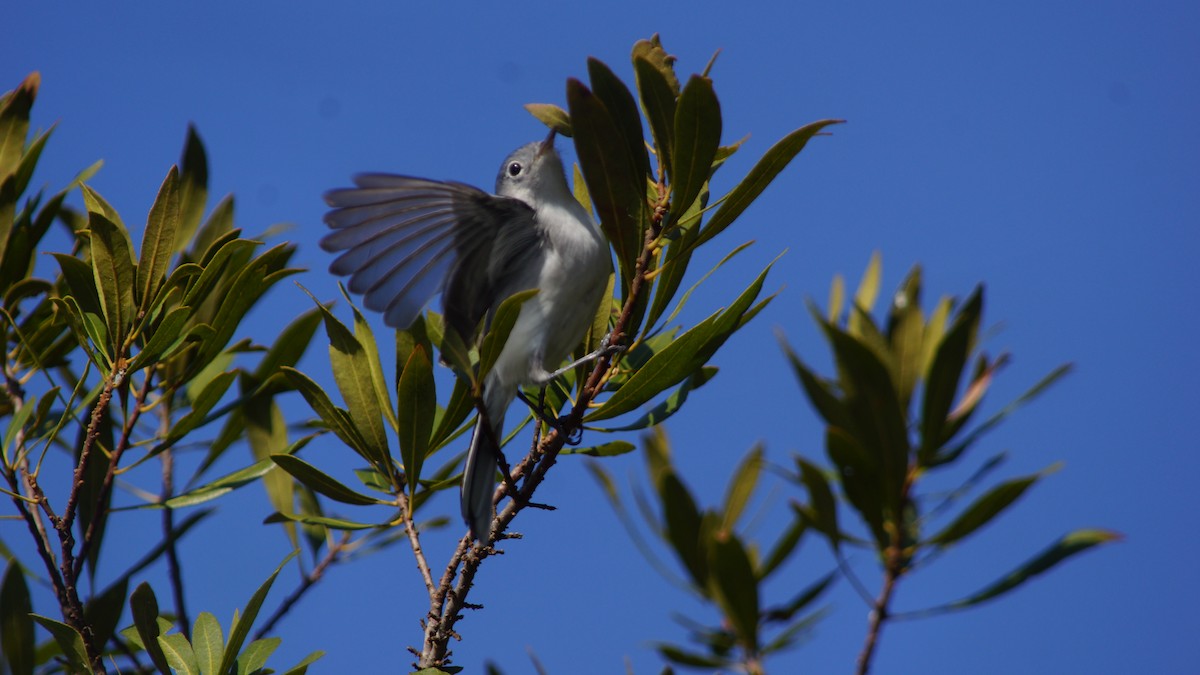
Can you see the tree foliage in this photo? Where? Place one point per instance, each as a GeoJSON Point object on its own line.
{"type": "Point", "coordinates": [122, 354]}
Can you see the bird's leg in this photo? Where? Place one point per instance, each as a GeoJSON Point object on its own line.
{"type": "Point", "coordinates": [605, 349]}
{"type": "Point", "coordinates": [548, 417]}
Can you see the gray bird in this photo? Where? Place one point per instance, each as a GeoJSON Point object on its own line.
{"type": "Point", "coordinates": [405, 239]}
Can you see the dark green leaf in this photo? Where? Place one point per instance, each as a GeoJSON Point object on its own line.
{"type": "Point", "coordinates": [765, 171]}
{"type": "Point", "coordinates": [877, 421]}
{"type": "Point", "coordinates": [987, 507]}
{"type": "Point", "coordinates": [16, 624]}
{"type": "Point", "coordinates": [144, 607]}
{"type": "Point", "coordinates": [238, 633]}
{"type": "Point", "coordinates": [945, 373]}
{"type": "Point", "coordinates": [802, 599]}
{"type": "Point", "coordinates": [672, 404]}
{"type": "Point", "coordinates": [302, 667]}
{"type": "Point", "coordinates": [335, 419]}
{"type": "Point", "coordinates": [1070, 545]}
{"type": "Point", "coordinates": [323, 521]}
{"type": "Point", "coordinates": [622, 107]}
{"type": "Point", "coordinates": [193, 191]}
{"type": "Point", "coordinates": [658, 102]}
{"type": "Point", "coordinates": [680, 358]}
{"type": "Point", "coordinates": [692, 659]}
{"type": "Point", "coordinates": [783, 548]}
{"type": "Point", "coordinates": [820, 391]}
{"type": "Point", "coordinates": [103, 611]}
{"type": "Point", "coordinates": [822, 506]}
{"type": "Point", "coordinates": [697, 135]}
{"type": "Point", "coordinates": [616, 188]}
{"type": "Point", "coordinates": [158, 241]}
{"type": "Point", "coordinates": [320, 481]}
{"type": "Point", "coordinates": [221, 486]}
{"type": "Point", "coordinates": [859, 475]}
{"type": "Point", "coordinates": [202, 404]}
{"type": "Point", "coordinates": [735, 586]}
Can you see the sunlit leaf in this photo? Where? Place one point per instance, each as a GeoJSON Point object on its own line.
{"type": "Point", "coordinates": [208, 642]}
{"type": "Point", "coordinates": [158, 241]}
{"type": "Point", "coordinates": [610, 449]}
{"type": "Point", "coordinates": [552, 116]}
{"type": "Point", "coordinates": [741, 487]}
{"type": "Point", "coordinates": [179, 654]}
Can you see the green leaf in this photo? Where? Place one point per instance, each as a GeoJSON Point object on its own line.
{"type": "Point", "coordinates": [941, 386]}
{"type": "Point", "coordinates": [820, 392]}
{"type": "Point", "coordinates": [179, 654]}
{"type": "Point", "coordinates": [70, 641]}
{"type": "Point", "coordinates": [256, 655]}
{"type": "Point", "coordinates": [616, 188]}
{"type": "Point", "coordinates": [876, 419]}
{"type": "Point", "coordinates": [992, 422]}
{"type": "Point", "coordinates": [735, 586]}
{"type": "Point", "coordinates": [859, 475]}
{"type": "Point", "coordinates": [691, 659]}
{"type": "Point", "coordinates": [783, 547]}
{"type": "Point", "coordinates": [352, 371]}
{"type": "Point", "coordinates": [208, 642]}
{"type": "Point", "coordinates": [652, 51]}
{"type": "Point", "coordinates": [321, 482]}
{"type": "Point", "coordinates": [218, 487]}
{"type": "Point", "coordinates": [166, 338]}
{"type": "Point", "coordinates": [323, 521]}
{"type": "Point", "coordinates": [238, 633]}
{"type": "Point", "coordinates": [987, 507]}
{"type": "Point", "coordinates": [741, 487]}
{"type": "Point", "coordinates": [868, 288]}
{"type": "Point", "coordinates": [335, 419]}
{"type": "Point", "coordinates": [202, 404]}
{"type": "Point", "coordinates": [16, 624]}
{"type": "Point", "coordinates": [697, 135]}
{"type": "Point", "coordinates": [158, 241]}
{"type": "Point", "coordinates": [502, 325]}
{"type": "Point", "coordinates": [1070, 545]}
{"type": "Point", "coordinates": [193, 192]}
{"type": "Point", "coordinates": [302, 667]}
{"type": "Point", "coordinates": [366, 337]}
{"type": "Point", "coordinates": [103, 611]}
{"type": "Point", "coordinates": [552, 116]}
{"type": "Point", "coordinates": [112, 267]}
{"type": "Point", "coordinates": [682, 357]}
{"type": "Point", "coordinates": [673, 402]}
{"type": "Point", "coordinates": [144, 606]}
{"type": "Point", "coordinates": [822, 506]}
{"type": "Point", "coordinates": [765, 171]}
{"type": "Point", "coordinates": [610, 449]}
{"type": "Point", "coordinates": [683, 521]}
{"type": "Point", "coordinates": [621, 105]}
{"type": "Point", "coordinates": [14, 122]}
{"type": "Point", "coordinates": [906, 335]}
{"type": "Point", "coordinates": [658, 102]}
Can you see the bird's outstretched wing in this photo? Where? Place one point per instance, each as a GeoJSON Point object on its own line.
{"type": "Point", "coordinates": [405, 239]}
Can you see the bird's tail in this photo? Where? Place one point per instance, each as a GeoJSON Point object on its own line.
{"type": "Point", "coordinates": [479, 472]}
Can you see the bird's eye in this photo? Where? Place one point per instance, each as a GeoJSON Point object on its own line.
{"type": "Point", "coordinates": [514, 169]}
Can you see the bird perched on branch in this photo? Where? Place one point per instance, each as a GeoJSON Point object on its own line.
{"type": "Point", "coordinates": [403, 240]}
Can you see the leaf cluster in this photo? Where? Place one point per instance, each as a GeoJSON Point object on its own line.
{"type": "Point", "coordinates": [121, 358]}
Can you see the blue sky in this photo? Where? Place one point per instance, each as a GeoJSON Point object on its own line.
{"type": "Point", "coordinates": [1049, 150]}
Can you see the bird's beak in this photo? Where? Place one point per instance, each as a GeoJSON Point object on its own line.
{"type": "Point", "coordinates": [547, 144]}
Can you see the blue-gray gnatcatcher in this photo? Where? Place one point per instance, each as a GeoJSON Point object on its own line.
{"type": "Point", "coordinates": [404, 239]}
